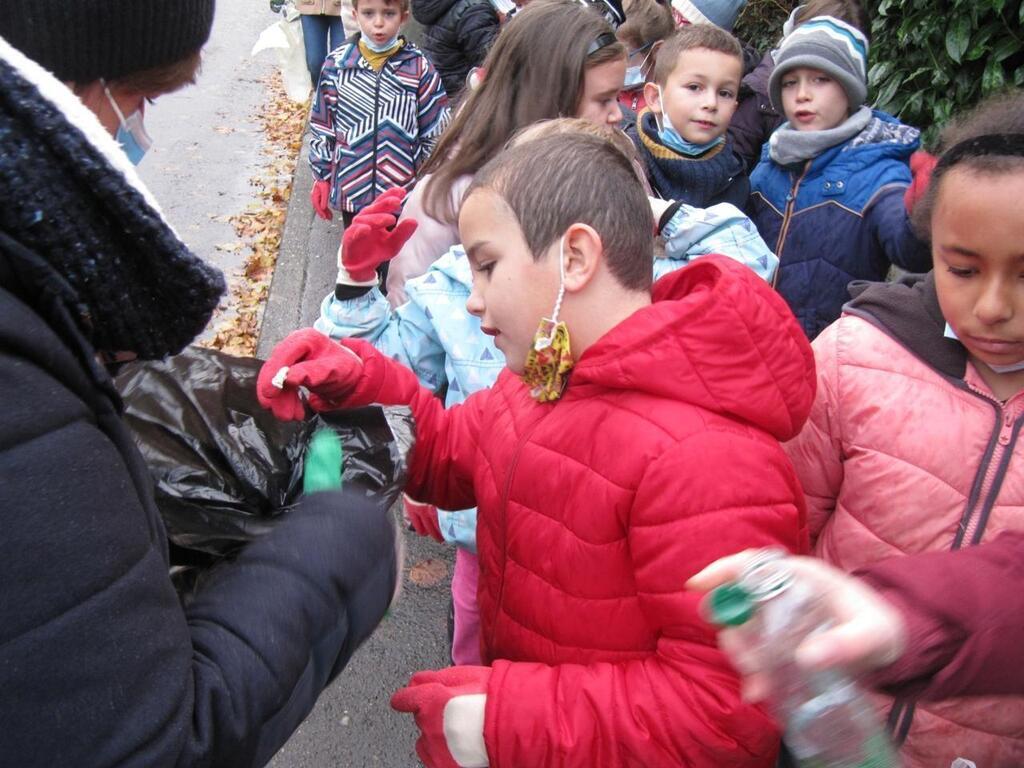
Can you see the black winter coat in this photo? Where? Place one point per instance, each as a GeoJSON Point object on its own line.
{"type": "Point", "coordinates": [99, 662]}
{"type": "Point", "coordinates": [459, 33]}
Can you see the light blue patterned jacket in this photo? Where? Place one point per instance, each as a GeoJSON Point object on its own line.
{"type": "Point", "coordinates": [436, 337]}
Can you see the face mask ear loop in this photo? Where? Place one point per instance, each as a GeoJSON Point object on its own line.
{"type": "Point", "coordinates": [643, 64]}
{"type": "Point", "coordinates": [561, 278]}
{"type": "Point", "coordinates": [113, 103]}
{"type": "Point", "coordinates": [658, 118]}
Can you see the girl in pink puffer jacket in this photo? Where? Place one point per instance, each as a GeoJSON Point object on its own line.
{"type": "Point", "coordinates": [912, 443]}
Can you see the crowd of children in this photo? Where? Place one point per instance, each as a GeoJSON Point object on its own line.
{"type": "Point", "coordinates": [606, 345]}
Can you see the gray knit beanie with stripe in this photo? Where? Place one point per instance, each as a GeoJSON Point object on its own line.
{"type": "Point", "coordinates": [830, 45]}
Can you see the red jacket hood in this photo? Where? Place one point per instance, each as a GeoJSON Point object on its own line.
{"type": "Point", "coordinates": [716, 336]}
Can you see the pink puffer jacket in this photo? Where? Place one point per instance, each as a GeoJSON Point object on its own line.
{"type": "Point", "coordinates": [906, 450]}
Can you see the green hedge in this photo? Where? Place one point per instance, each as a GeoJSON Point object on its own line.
{"type": "Point", "coordinates": [929, 60]}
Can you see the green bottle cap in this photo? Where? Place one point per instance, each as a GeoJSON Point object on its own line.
{"type": "Point", "coordinates": [322, 470]}
{"type": "Point", "coordinates": [730, 605]}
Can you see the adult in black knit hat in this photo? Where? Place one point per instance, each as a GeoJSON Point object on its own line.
{"type": "Point", "coordinates": [100, 664]}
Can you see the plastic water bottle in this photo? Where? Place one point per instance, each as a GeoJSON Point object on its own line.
{"type": "Point", "coordinates": [829, 722]}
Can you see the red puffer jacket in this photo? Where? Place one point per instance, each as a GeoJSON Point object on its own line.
{"type": "Point", "coordinates": [661, 456]}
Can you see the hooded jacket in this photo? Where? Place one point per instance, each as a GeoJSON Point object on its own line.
{"type": "Point", "coordinates": [837, 218]}
{"type": "Point", "coordinates": [435, 336]}
{"type": "Point", "coordinates": [908, 451]}
{"type": "Point", "coordinates": [458, 35]}
{"type": "Point", "coordinates": [100, 664]}
{"type": "Point", "coordinates": [660, 457]}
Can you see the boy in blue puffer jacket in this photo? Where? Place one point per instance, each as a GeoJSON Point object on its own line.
{"type": "Point", "coordinates": [828, 192]}
{"type": "Point", "coordinates": [435, 336]}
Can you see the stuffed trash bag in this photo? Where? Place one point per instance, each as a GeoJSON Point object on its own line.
{"type": "Point", "coordinates": [224, 468]}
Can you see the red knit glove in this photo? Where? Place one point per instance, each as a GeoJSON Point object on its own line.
{"type": "Point", "coordinates": [427, 698]}
{"type": "Point", "coordinates": [319, 196]}
{"type": "Point", "coordinates": [423, 518]}
{"type": "Point", "coordinates": [328, 369]}
{"type": "Point", "coordinates": [921, 165]}
{"type": "Point", "coordinates": [374, 236]}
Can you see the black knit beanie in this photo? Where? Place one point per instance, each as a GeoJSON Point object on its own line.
{"type": "Point", "coordinates": [84, 40]}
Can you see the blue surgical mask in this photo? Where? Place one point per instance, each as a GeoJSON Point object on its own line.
{"type": "Point", "coordinates": [635, 75]}
{"type": "Point", "coordinates": [386, 46]}
{"type": "Point", "coordinates": [634, 78]}
{"type": "Point", "coordinates": [131, 133]}
{"type": "Point", "coordinates": [672, 139]}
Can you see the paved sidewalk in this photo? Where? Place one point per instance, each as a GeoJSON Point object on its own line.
{"type": "Point", "coordinates": [352, 725]}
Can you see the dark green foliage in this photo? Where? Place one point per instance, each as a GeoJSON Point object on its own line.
{"type": "Point", "coordinates": [930, 59]}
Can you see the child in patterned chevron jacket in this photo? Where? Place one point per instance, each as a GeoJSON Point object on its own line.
{"type": "Point", "coordinates": [377, 111]}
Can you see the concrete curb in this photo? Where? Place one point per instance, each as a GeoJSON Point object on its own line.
{"type": "Point", "coordinates": [306, 264]}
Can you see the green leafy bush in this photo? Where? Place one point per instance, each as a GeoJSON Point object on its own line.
{"type": "Point", "coordinates": [929, 60]}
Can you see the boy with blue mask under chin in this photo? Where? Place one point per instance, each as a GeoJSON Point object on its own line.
{"type": "Point", "coordinates": [682, 132]}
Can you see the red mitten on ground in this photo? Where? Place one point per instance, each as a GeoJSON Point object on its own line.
{"type": "Point", "coordinates": [423, 518]}
{"type": "Point", "coordinates": [374, 236]}
{"type": "Point", "coordinates": [319, 196]}
{"type": "Point", "coordinates": [306, 358]}
{"type": "Point", "coordinates": [427, 698]}
{"type": "Point", "coordinates": [921, 165]}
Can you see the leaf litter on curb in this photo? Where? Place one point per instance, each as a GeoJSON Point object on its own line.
{"type": "Point", "coordinates": [259, 226]}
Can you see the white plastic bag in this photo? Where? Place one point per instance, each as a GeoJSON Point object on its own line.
{"type": "Point", "coordinates": [285, 37]}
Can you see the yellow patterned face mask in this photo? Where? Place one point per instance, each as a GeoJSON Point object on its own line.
{"type": "Point", "coordinates": [550, 358]}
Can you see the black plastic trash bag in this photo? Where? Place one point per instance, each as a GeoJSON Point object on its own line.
{"type": "Point", "coordinates": [225, 469]}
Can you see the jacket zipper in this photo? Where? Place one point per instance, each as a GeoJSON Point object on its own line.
{"type": "Point", "coordinates": [504, 519]}
{"type": "Point", "coordinates": [987, 484]}
{"type": "Point", "coordinates": [786, 216]}
{"type": "Point", "coordinates": [1005, 436]}
{"type": "Point", "coordinates": [376, 113]}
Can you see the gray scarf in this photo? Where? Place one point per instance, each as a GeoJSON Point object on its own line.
{"type": "Point", "coordinates": [788, 145]}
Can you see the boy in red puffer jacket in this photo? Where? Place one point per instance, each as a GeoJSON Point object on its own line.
{"type": "Point", "coordinates": [632, 441]}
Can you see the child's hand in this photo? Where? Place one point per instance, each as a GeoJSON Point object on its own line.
{"type": "Point", "coordinates": [319, 196]}
{"type": "Point", "coordinates": [869, 632]}
{"type": "Point", "coordinates": [422, 518]}
{"type": "Point", "coordinates": [449, 706]}
{"type": "Point", "coordinates": [374, 236]}
{"type": "Point", "coordinates": [307, 358]}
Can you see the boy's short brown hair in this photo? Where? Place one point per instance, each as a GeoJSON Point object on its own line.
{"type": "Point", "coordinates": [614, 136]}
{"type": "Point", "coordinates": [690, 38]}
{"type": "Point", "coordinates": [403, 5]}
{"type": "Point", "coordinates": [647, 22]}
{"type": "Point", "coordinates": [562, 179]}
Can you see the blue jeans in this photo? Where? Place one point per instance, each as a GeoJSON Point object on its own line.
{"type": "Point", "coordinates": [315, 31]}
